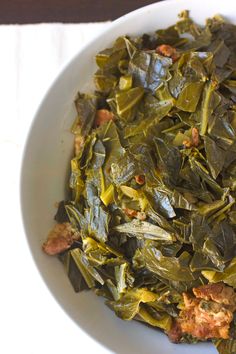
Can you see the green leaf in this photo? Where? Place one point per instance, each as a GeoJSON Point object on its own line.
{"type": "Point", "coordinates": [215, 156]}
{"type": "Point", "coordinates": [127, 101]}
{"type": "Point", "coordinates": [149, 70]}
{"type": "Point", "coordinates": [128, 306]}
{"type": "Point", "coordinates": [108, 134]}
{"type": "Point", "coordinates": [125, 82]}
{"type": "Point", "coordinates": [161, 202]}
{"type": "Point", "coordinates": [104, 83]}
{"type": "Point", "coordinates": [173, 268]}
{"type": "Point", "coordinates": [146, 230]}
{"type": "Point", "coordinates": [75, 276]}
{"type": "Point", "coordinates": [228, 276]}
{"type": "Point", "coordinates": [98, 221]}
{"type": "Point", "coordinates": [209, 102]}
{"type": "Point", "coordinates": [231, 85]}
{"type": "Point", "coordinates": [163, 320]}
{"type": "Point", "coordinates": [108, 195]}
{"type": "Point", "coordinates": [99, 155]}
{"type": "Point", "coordinates": [226, 346]}
{"type": "Point", "coordinates": [86, 106]}
{"type": "Point", "coordinates": [89, 273]}
{"type": "Point", "coordinates": [169, 160]}
{"type": "Point", "coordinates": [198, 168]}
{"type": "Point", "coordinates": [189, 96]}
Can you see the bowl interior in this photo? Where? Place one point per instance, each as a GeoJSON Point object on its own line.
{"type": "Point", "coordinates": [45, 171]}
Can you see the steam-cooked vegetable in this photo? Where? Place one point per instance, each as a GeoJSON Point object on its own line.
{"type": "Point", "coordinates": [150, 223]}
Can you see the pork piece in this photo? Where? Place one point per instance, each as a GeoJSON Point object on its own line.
{"type": "Point", "coordinates": [195, 137]}
{"type": "Point", "coordinates": [204, 319]}
{"type": "Point", "coordinates": [206, 315]}
{"type": "Point", "coordinates": [60, 239]}
{"type": "Point", "coordinates": [140, 179]}
{"type": "Point", "coordinates": [218, 292]}
{"type": "Point", "coordinates": [135, 214]}
{"type": "Point", "coordinates": [194, 141]}
{"type": "Point", "coordinates": [103, 116]}
{"type": "Point", "coordinates": [175, 333]}
{"type": "Point", "coordinates": [167, 51]}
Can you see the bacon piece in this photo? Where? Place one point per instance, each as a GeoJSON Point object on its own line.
{"type": "Point", "coordinates": [175, 333]}
{"type": "Point", "coordinates": [167, 51]}
{"type": "Point", "coordinates": [209, 313]}
{"type": "Point", "coordinates": [204, 319]}
{"type": "Point", "coordinates": [194, 141]}
{"type": "Point", "coordinates": [60, 239]}
{"type": "Point", "coordinates": [218, 292]}
{"type": "Point", "coordinates": [206, 315]}
{"type": "Point", "coordinates": [140, 179]}
{"type": "Point", "coordinates": [135, 214]}
{"type": "Point", "coordinates": [130, 212]}
{"type": "Point", "coordinates": [103, 116]}
{"type": "Point", "coordinates": [195, 137]}
{"type": "Point", "coordinates": [187, 144]}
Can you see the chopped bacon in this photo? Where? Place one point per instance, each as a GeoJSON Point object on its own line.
{"type": "Point", "coordinates": [187, 144]}
{"type": "Point", "coordinates": [195, 137]}
{"type": "Point", "coordinates": [130, 212]}
{"type": "Point", "coordinates": [140, 179]}
{"type": "Point", "coordinates": [206, 315]}
{"type": "Point", "coordinates": [175, 333]}
{"type": "Point", "coordinates": [194, 141]}
{"type": "Point", "coordinates": [218, 292]}
{"type": "Point", "coordinates": [204, 319]}
{"type": "Point", "coordinates": [60, 239]}
{"type": "Point", "coordinates": [167, 51]}
{"type": "Point", "coordinates": [135, 214]}
{"type": "Point", "coordinates": [103, 116]}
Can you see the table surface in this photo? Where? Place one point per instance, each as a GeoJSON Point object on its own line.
{"type": "Point", "coordinates": [73, 11]}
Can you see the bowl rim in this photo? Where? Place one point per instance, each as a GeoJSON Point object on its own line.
{"type": "Point", "coordinates": [113, 24]}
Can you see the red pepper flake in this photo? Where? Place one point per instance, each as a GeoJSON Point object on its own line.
{"type": "Point", "coordinates": [130, 212]}
{"type": "Point", "coordinates": [135, 214]}
{"type": "Point", "coordinates": [103, 116]}
{"type": "Point", "coordinates": [140, 179]}
{"type": "Point", "coordinates": [167, 51]}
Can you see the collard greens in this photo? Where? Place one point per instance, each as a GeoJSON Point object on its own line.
{"type": "Point", "coordinates": [153, 179]}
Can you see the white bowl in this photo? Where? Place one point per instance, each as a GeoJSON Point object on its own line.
{"type": "Point", "coordinates": [45, 173]}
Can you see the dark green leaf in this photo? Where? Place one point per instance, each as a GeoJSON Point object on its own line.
{"type": "Point", "coordinates": [226, 346]}
{"type": "Point", "coordinates": [169, 160]}
{"type": "Point", "coordinates": [128, 306]}
{"type": "Point", "coordinates": [86, 106]}
{"type": "Point", "coordinates": [176, 269]}
{"type": "Point", "coordinates": [149, 70]}
{"type": "Point", "coordinates": [145, 230]}
{"type": "Point", "coordinates": [215, 156]}
{"type": "Point", "coordinates": [209, 102]}
{"type": "Point", "coordinates": [189, 96]}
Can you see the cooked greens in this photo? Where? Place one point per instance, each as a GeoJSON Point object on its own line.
{"type": "Point", "coordinates": [153, 181]}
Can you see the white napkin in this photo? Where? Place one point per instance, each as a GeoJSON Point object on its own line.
{"type": "Point", "coordinates": [30, 57]}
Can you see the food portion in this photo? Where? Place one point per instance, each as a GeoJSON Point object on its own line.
{"type": "Point", "coordinates": [149, 221]}
{"type": "Point", "coordinates": [206, 314]}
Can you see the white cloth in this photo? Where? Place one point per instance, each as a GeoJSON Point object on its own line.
{"type": "Point", "coordinates": [31, 322]}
